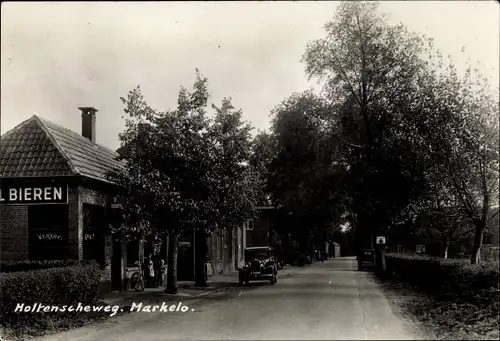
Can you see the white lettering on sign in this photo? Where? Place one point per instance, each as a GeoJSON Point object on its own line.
{"type": "Point", "coordinates": [89, 236]}
{"type": "Point", "coordinates": [27, 194]}
{"type": "Point", "coordinates": [49, 236]}
{"type": "Point", "coordinates": [57, 193]}
{"type": "Point", "coordinates": [31, 194]}
{"type": "Point", "coordinates": [12, 194]}
{"type": "Point", "coordinates": [38, 194]}
{"type": "Point", "coordinates": [46, 193]}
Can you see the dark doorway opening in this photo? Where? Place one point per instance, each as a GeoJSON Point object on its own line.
{"type": "Point", "coordinates": [185, 259]}
{"type": "Point", "coordinates": [94, 229]}
{"type": "Point", "coordinates": [117, 265]}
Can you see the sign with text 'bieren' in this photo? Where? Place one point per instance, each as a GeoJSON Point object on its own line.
{"type": "Point", "coordinates": [25, 194]}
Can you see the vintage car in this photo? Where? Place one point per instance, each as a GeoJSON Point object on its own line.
{"type": "Point", "coordinates": [261, 265]}
{"type": "Point", "coordinates": [366, 258]}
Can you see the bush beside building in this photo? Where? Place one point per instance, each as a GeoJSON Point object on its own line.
{"type": "Point", "coordinates": [55, 286]}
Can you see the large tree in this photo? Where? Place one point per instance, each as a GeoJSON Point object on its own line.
{"type": "Point", "coordinates": [185, 172]}
{"type": "Point", "coordinates": [167, 161]}
{"type": "Point", "coordinates": [234, 183]}
{"type": "Point", "coordinates": [369, 69]}
{"type": "Point", "coordinates": [304, 176]}
{"type": "Point", "coordinates": [409, 124]}
{"type": "Point", "coordinates": [457, 116]}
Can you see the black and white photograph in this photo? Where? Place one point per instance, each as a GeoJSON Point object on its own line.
{"type": "Point", "coordinates": [249, 170]}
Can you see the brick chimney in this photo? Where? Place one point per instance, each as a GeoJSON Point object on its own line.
{"type": "Point", "coordinates": [88, 122]}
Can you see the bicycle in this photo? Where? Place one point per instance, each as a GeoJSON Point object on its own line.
{"type": "Point", "coordinates": [137, 279]}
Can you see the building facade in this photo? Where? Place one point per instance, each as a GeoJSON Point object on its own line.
{"type": "Point", "coordinates": [55, 195]}
{"type": "Point", "coordinates": [258, 230]}
{"type": "Point", "coordinates": [332, 249]}
{"type": "Point", "coordinates": [226, 249]}
{"type": "Point", "coordinates": [55, 200]}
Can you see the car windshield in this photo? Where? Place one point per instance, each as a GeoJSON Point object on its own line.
{"type": "Point", "coordinates": [260, 254]}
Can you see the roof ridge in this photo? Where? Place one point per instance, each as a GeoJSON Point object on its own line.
{"type": "Point", "coordinates": [74, 133]}
{"type": "Point", "coordinates": [42, 124]}
{"type": "Point", "coordinates": [26, 121]}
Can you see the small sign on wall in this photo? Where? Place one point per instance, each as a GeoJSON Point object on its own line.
{"type": "Point", "coordinates": [381, 240]}
{"type": "Point", "coordinates": [49, 236]}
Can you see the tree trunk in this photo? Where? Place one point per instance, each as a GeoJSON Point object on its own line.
{"type": "Point", "coordinates": [446, 245]}
{"type": "Point", "coordinates": [173, 247]}
{"type": "Point", "coordinates": [200, 257]}
{"type": "Point", "coordinates": [478, 240]}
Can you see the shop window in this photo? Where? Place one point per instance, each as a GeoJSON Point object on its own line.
{"type": "Point", "coordinates": [94, 225]}
{"type": "Point", "coordinates": [48, 232]}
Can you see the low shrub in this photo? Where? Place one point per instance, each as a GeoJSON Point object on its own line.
{"type": "Point", "coordinates": [446, 277]}
{"type": "Point", "coordinates": [42, 264]}
{"type": "Point", "coordinates": [56, 286]}
{"type": "Point", "coordinates": [447, 319]}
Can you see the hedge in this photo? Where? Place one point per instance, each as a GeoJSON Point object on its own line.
{"type": "Point", "coordinates": [37, 265]}
{"type": "Point", "coordinates": [446, 277]}
{"type": "Point", "coordinates": [56, 286]}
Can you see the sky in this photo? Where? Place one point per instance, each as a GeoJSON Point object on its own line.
{"type": "Point", "coordinates": [58, 56]}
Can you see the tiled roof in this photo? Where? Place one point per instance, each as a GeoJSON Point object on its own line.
{"type": "Point", "coordinates": [27, 151]}
{"type": "Point", "coordinates": [38, 147]}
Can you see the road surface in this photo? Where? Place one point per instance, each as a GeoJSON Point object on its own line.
{"type": "Point", "coordinates": [329, 301]}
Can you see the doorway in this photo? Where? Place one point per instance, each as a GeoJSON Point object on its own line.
{"type": "Point", "coordinates": [94, 227]}
{"type": "Point", "coordinates": [116, 265]}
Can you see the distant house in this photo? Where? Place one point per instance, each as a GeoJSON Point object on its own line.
{"type": "Point", "coordinates": [257, 230]}
{"type": "Point", "coordinates": [227, 248]}
{"type": "Point", "coordinates": [54, 195]}
{"type": "Point", "coordinates": [332, 249]}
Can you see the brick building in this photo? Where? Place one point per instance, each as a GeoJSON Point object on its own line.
{"type": "Point", "coordinates": [54, 195]}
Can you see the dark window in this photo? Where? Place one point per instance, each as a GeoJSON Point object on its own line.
{"type": "Point", "coordinates": [48, 232]}
{"type": "Point", "coordinates": [94, 224]}
{"type": "Point", "coordinates": [250, 225]}
{"type": "Point", "coordinates": [148, 246]}
{"type": "Point", "coordinates": [132, 252]}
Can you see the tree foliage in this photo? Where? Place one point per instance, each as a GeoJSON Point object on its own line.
{"type": "Point", "coordinates": [369, 70]}
{"type": "Point", "coordinates": [183, 170]}
{"type": "Point", "coordinates": [305, 175]}
{"type": "Point", "coordinates": [413, 137]}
